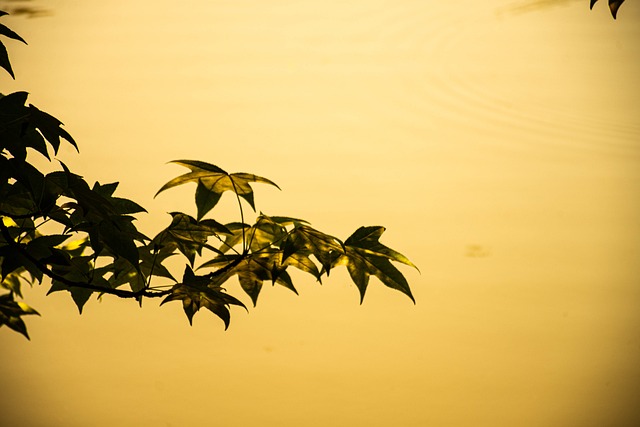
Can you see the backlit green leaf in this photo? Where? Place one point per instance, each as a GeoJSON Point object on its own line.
{"type": "Point", "coordinates": [365, 256]}
{"type": "Point", "coordinates": [212, 182]}
{"type": "Point", "coordinates": [254, 269]}
{"type": "Point", "coordinates": [189, 235]}
{"type": "Point", "coordinates": [304, 239]}
{"type": "Point", "coordinates": [196, 292]}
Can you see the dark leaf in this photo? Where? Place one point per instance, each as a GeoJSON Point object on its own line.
{"type": "Point", "coordinates": [137, 276]}
{"type": "Point", "coordinates": [301, 261]}
{"type": "Point", "coordinates": [119, 235]}
{"type": "Point", "coordinates": [95, 206]}
{"type": "Point", "coordinates": [29, 177]}
{"type": "Point", "coordinates": [253, 270]}
{"type": "Point", "coordinates": [212, 182]}
{"type": "Point", "coordinates": [12, 101]}
{"type": "Point", "coordinates": [264, 234]}
{"type": "Point", "coordinates": [12, 282]}
{"type": "Point", "coordinates": [7, 32]}
{"type": "Point", "coordinates": [367, 239]}
{"type": "Point", "coordinates": [188, 235]}
{"type": "Point", "coordinates": [196, 292]}
{"type": "Point", "coordinates": [614, 5]}
{"type": "Point", "coordinates": [14, 261]}
{"type": "Point", "coordinates": [79, 270]}
{"type": "Point", "coordinates": [13, 201]}
{"type": "Point", "coordinates": [307, 240]}
{"type": "Point", "coordinates": [11, 312]}
{"type": "Point", "coordinates": [281, 277]}
{"type": "Point", "coordinates": [43, 247]}
{"type": "Point", "coordinates": [366, 256]}
{"type": "Point", "coordinates": [4, 60]}
{"type": "Point", "coordinates": [120, 205]}
{"type": "Point", "coordinates": [50, 127]}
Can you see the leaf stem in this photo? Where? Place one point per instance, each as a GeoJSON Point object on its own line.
{"type": "Point", "coordinates": [235, 190]}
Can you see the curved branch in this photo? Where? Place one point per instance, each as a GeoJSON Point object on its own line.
{"type": "Point", "coordinates": [122, 293]}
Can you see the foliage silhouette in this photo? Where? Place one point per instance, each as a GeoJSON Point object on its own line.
{"type": "Point", "coordinates": [83, 239]}
{"type": "Point", "coordinates": [614, 5]}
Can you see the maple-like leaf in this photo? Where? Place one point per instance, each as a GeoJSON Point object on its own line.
{"type": "Point", "coordinates": [212, 182]}
{"type": "Point", "coordinates": [196, 292]}
{"type": "Point", "coordinates": [4, 57]}
{"type": "Point", "coordinates": [305, 240]}
{"type": "Point", "coordinates": [365, 256]}
{"type": "Point", "coordinates": [151, 259]}
{"type": "Point", "coordinates": [10, 33]}
{"type": "Point", "coordinates": [189, 235]}
{"type": "Point", "coordinates": [265, 233]}
{"type": "Point", "coordinates": [80, 269]}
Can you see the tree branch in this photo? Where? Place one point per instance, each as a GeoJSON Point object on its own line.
{"type": "Point", "coordinates": [122, 293]}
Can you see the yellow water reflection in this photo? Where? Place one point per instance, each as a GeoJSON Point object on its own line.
{"type": "Point", "coordinates": [501, 150]}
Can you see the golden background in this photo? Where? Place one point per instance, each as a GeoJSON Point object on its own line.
{"type": "Point", "coordinates": [498, 141]}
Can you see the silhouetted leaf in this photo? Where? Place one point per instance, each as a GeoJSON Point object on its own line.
{"type": "Point", "coordinates": [264, 234]}
{"type": "Point", "coordinates": [16, 133]}
{"type": "Point", "coordinates": [367, 240]}
{"type": "Point", "coordinates": [9, 33]}
{"type": "Point", "coordinates": [94, 206]}
{"type": "Point", "coordinates": [43, 248]}
{"type": "Point", "coordinates": [212, 182]}
{"type": "Point", "coordinates": [12, 282]}
{"type": "Point", "coordinates": [28, 176]}
{"type": "Point", "coordinates": [79, 270]}
{"type": "Point", "coordinates": [614, 5]}
{"type": "Point", "coordinates": [366, 256]}
{"type": "Point", "coordinates": [253, 270]}
{"type": "Point", "coordinates": [120, 205]}
{"type": "Point", "coordinates": [307, 240]}
{"type": "Point", "coordinates": [4, 57]}
{"type": "Point", "coordinates": [11, 312]}
{"type": "Point", "coordinates": [189, 235]}
{"type": "Point", "coordinates": [137, 276]}
{"type": "Point", "coordinates": [4, 60]}
{"type": "Point", "coordinates": [50, 127]}
{"type": "Point", "coordinates": [196, 292]}
{"type": "Point", "coordinates": [14, 261]}
{"type": "Point", "coordinates": [15, 200]}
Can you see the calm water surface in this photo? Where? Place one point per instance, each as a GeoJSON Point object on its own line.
{"type": "Point", "coordinates": [498, 141]}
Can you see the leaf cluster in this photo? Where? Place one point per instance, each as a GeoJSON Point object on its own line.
{"type": "Point", "coordinates": [56, 227]}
